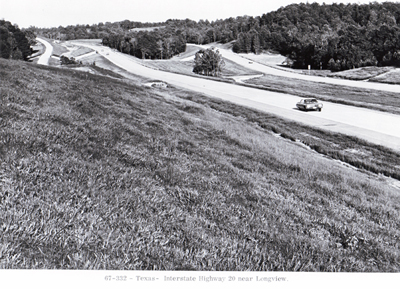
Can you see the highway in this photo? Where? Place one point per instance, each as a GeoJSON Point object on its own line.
{"type": "Point", "coordinates": [44, 58]}
{"type": "Point", "coordinates": [228, 54]}
{"type": "Point", "coordinates": [374, 126]}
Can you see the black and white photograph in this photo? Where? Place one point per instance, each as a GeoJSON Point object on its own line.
{"type": "Point", "coordinates": [205, 144]}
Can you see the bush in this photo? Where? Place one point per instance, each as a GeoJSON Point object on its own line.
{"type": "Point", "coordinates": [66, 61]}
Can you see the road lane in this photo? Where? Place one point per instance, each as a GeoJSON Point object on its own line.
{"type": "Point", "coordinates": [374, 126]}
{"type": "Point", "coordinates": [44, 58]}
{"type": "Point", "coordinates": [228, 54]}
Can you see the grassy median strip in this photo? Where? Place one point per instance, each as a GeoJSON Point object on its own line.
{"type": "Point", "coordinates": [98, 173]}
{"type": "Point", "coordinates": [367, 98]}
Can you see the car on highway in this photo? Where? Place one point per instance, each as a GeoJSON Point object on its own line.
{"type": "Point", "coordinates": [309, 104]}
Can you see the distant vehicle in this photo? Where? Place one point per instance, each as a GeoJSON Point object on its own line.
{"type": "Point", "coordinates": [309, 104]}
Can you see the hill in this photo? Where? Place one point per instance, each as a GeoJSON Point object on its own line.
{"type": "Point", "coordinates": [99, 173]}
{"type": "Point", "coordinates": [336, 37]}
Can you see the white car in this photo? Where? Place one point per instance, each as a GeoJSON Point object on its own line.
{"type": "Point", "coordinates": [309, 104]}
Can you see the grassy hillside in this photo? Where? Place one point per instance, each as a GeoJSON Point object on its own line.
{"type": "Point", "coordinates": [98, 173]}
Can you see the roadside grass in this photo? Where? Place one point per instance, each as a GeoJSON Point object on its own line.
{"type": "Point", "coordinates": [385, 74]}
{"type": "Point", "coordinates": [100, 61]}
{"type": "Point", "coordinates": [269, 59]}
{"type": "Point", "coordinates": [351, 150]}
{"type": "Point", "coordinates": [362, 73]}
{"type": "Point", "coordinates": [190, 51]}
{"type": "Point", "coordinates": [186, 67]}
{"type": "Point", "coordinates": [372, 99]}
{"type": "Point", "coordinates": [391, 77]}
{"type": "Point", "coordinates": [98, 173]}
{"type": "Point", "coordinates": [79, 51]}
{"type": "Point", "coordinates": [57, 48]}
{"type": "Point", "coordinates": [89, 41]}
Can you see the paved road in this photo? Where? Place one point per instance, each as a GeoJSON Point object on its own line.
{"type": "Point", "coordinates": [228, 54]}
{"type": "Point", "coordinates": [377, 127]}
{"type": "Point", "coordinates": [44, 58]}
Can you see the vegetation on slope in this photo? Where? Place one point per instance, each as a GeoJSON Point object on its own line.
{"type": "Point", "coordinates": [13, 42]}
{"type": "Point", "coordinates": [336, 37]}
{"type": "Point", "coordinates": [104, 174]}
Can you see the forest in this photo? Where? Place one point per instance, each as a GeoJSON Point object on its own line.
{"type": "Point", "coordinates": [335, 37]}
{"type": "Point", "coordinates": [14, 43]}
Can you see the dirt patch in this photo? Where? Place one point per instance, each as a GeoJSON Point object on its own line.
{"type": "Point", "coordinates": [358, 152]}
{"type": "Point", "coordinates": [158, 84]}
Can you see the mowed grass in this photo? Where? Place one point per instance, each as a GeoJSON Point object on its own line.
{"type": "Point", "coordinates": [372, 99]}
{"type": "Point", "coordinates": [58, 49]}
{"type": "Point", "coordinates": [98, 173]}
{"type": "Point", "coordinates": [362, 73]}
{"type": "Point", "coordinates": [229, 68]}
{"type": "Point", "coordinates": [391, 77]}
{"type": "Point", "coordinates": [79, 52]}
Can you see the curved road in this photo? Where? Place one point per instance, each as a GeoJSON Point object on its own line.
{"type": "Point", "coordinates": [228, 54]}
{"type": "Point", "coordinates": [374, 126]}
{"type": "Point", "coordinates": [44, 58]}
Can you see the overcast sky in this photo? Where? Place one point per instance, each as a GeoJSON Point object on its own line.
{"type": "Point", "coordinates": [53, 13]}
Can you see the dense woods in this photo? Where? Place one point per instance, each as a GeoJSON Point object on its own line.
{"type": "Point", "coordinates": [336, 37]}
{"type": "Point", "coordinates": [13, 42]}
{"type": "Point", "coordinates": [155, 44]}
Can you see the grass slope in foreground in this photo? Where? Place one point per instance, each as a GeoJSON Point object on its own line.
{"type": "Point", "coordinates": [98, 173]}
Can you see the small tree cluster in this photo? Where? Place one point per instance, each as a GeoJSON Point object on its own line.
{"type": "Point", "coordinates": [65, 60]}
{"type": "Point", "coordinates": [208, 62]}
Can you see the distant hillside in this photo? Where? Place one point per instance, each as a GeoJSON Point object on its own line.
{"type": "Point", "coordinates": [337, 36]}
{"type": "Point", "coordinates": [334, 36]}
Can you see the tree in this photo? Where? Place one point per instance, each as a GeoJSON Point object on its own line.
{"type": "Point", "coordinates": [160, 47]}
{"type": "Point", "coordinates": [13, 42]}
{"type": "Point", "coordinates": [208, 62]}
{"type": "Point", "coordinates": [66, 61]}
{"type": "Point", "coordinates": [5, 47]}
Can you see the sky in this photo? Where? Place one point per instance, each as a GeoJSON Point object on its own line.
{"type": "Point", "coordinates": [53, 13]}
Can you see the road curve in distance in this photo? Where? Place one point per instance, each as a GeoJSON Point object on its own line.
{"type": "Point", "coordinates": [228, 54]}
{"type": "Point", "coordinates": [44, 58]}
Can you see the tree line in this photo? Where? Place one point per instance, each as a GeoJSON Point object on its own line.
{"type": "Point", "coordinates": [14, 43]}
{"type": "Point", "coordinates": [155, 44]}
{"type": "Point", "coordinates": [336, 37]}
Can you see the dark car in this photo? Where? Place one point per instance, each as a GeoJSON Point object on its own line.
{"type": "Point", "coordinates": [309, 104]}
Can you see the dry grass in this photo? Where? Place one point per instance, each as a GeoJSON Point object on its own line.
{"type": "Point", "coordinates": [103, 174]}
